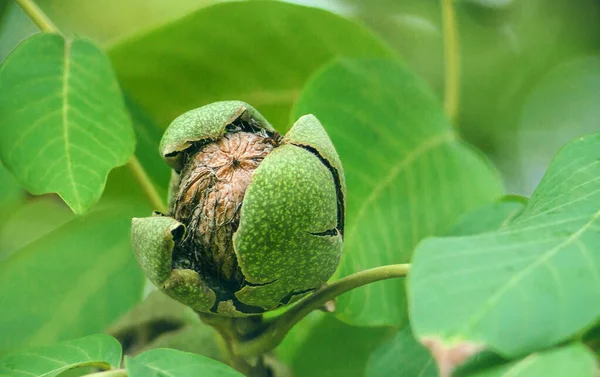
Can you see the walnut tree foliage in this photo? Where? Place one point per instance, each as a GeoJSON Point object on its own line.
{"type": "Point", "coordinates": [410, 188]}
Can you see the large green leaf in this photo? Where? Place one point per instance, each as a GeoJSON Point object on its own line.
{"type": "Point", "coordinates": [408, 174]}
{"type": "Point", "coordinates": [298, 336]}
{"type": "Point", "coordinates": [100, 351]}
{"type": "Point", "coordinates": [489, 217]}
{"type": "Point", "coordinates": [401, 356]}
{"type": "Point", "coordinates": [573, 360]}
{"type": "Point", "coordinates": [10, 191]}
{"type": "Point", "coordinates": [64, 124]}
{"type": "Point", "coordinates": [30, 221]}
{"type": "Point", "coordinates": [71, 282]}
{"type": "Point", "coordinates": [260, 52]}
{"type": "Point", "coordinates": [3, 7]}
{"type": "Point", "coordinates": [166, 362]}
{"type": "Point", "coordinates": [116, 19]}
{"type": "Point", "coordinates": [527, 286]}
{"type": "Point", "coordinates": [322, 345]}
{"type": "Point", "coordinates": [11, 196]}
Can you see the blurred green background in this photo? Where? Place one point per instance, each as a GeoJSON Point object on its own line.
{"type": "Point", "coordinates": [529, 82]}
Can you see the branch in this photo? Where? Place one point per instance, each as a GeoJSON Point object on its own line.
{"type": "Point", "coordinates": [277, 328]}
{"type": "Point", "coordinates": [38, 16]}
{"type": "Point", "coordinates": [146, 184]}
{"type": "Point", "coordinates": [451, 60]}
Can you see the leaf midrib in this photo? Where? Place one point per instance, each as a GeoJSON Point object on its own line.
{"type": "Point", "coordinates": [489, 304]}
{"type": "Point", "coordinates": [429, 144]}
{"type": "Point", "coordinates": [65, 116]}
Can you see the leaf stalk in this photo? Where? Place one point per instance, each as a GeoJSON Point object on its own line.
{"type": "Point", "coordinates": [451, 59]}
{"type": "Point", "coordinates": [38, 16]}
{"type": "Point", "coordinates": [141, 176]}
{"type": "Point", "coordinates": [275, 329]}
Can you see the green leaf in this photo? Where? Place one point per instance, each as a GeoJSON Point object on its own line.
{"type": "Point", "coordinates": [526, 286]}
{"type": "Point", "coordinates": [64, 124]}
{"type": "Point", "coordinates": [101, 351]}
{"type": "Point", "coordinates": [167, 362]}
{"type": "Point", "coordinates": [260, 52]}
{"type": "Point", "coordinates": [123, 187]}
{"type": "Point", "coordinates": [298, 335]}
{"type": "Point", "coordinates": [573, 360]}
{"type": "Point", "coordinates": [161, 322]}
{"type": "Point", "coordinates": [562, 107]}
{"type": "Point", "coordinates": [31, 221]}
{"type": "Point", "coordinates": [489, 217]}
{"type": "Point", "coordinates": [3, 7]}
{"type": "Point", "coordinates": [11, 198]}
{"type": "Point", "coordinates": [408, 174]}
{"type": "Point", "coordinates": [401, 356]}
{"type": "Point", "coordinates": [322, 345]}
{"type": "Point", "coordinates": [10, 191]}
{"type": "Point", "coordinates": [71, 282]}
{"type": "Point", "coordinates": [592, 339]}
{"type": "Point", "coordinates": [198, 338]}
{"type": "Point", "coordinates": [116, 19]}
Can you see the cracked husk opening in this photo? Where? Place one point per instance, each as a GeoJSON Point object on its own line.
{"type": "Point", "coordinates": [213, 183]}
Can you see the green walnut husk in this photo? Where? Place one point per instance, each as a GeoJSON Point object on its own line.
{"type": "Point", "coordinates": [256, 219]}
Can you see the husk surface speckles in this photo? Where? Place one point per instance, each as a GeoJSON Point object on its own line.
{"type": "Point", "coordinates": [291, 201]}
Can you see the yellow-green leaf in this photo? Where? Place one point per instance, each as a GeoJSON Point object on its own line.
{"type": "Point", "coordinates": [526, 286]}
{"type": "Point", "coordinates": [100, 351]}
{"type": "Point", "coordinates": [71, 282]}
{"type": "Point", "coordinates": [574, 360]}
{"type": "Point", "coordinates": [401, 356]}
{"type": "Point", "coordinates": [168, 362]}
{"type": "Point", "coordinates": [260, 52]}
{"type": "Point", "coordinates": [408, 174]}
{"type": "Point", "coordinates": [63, 125]}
